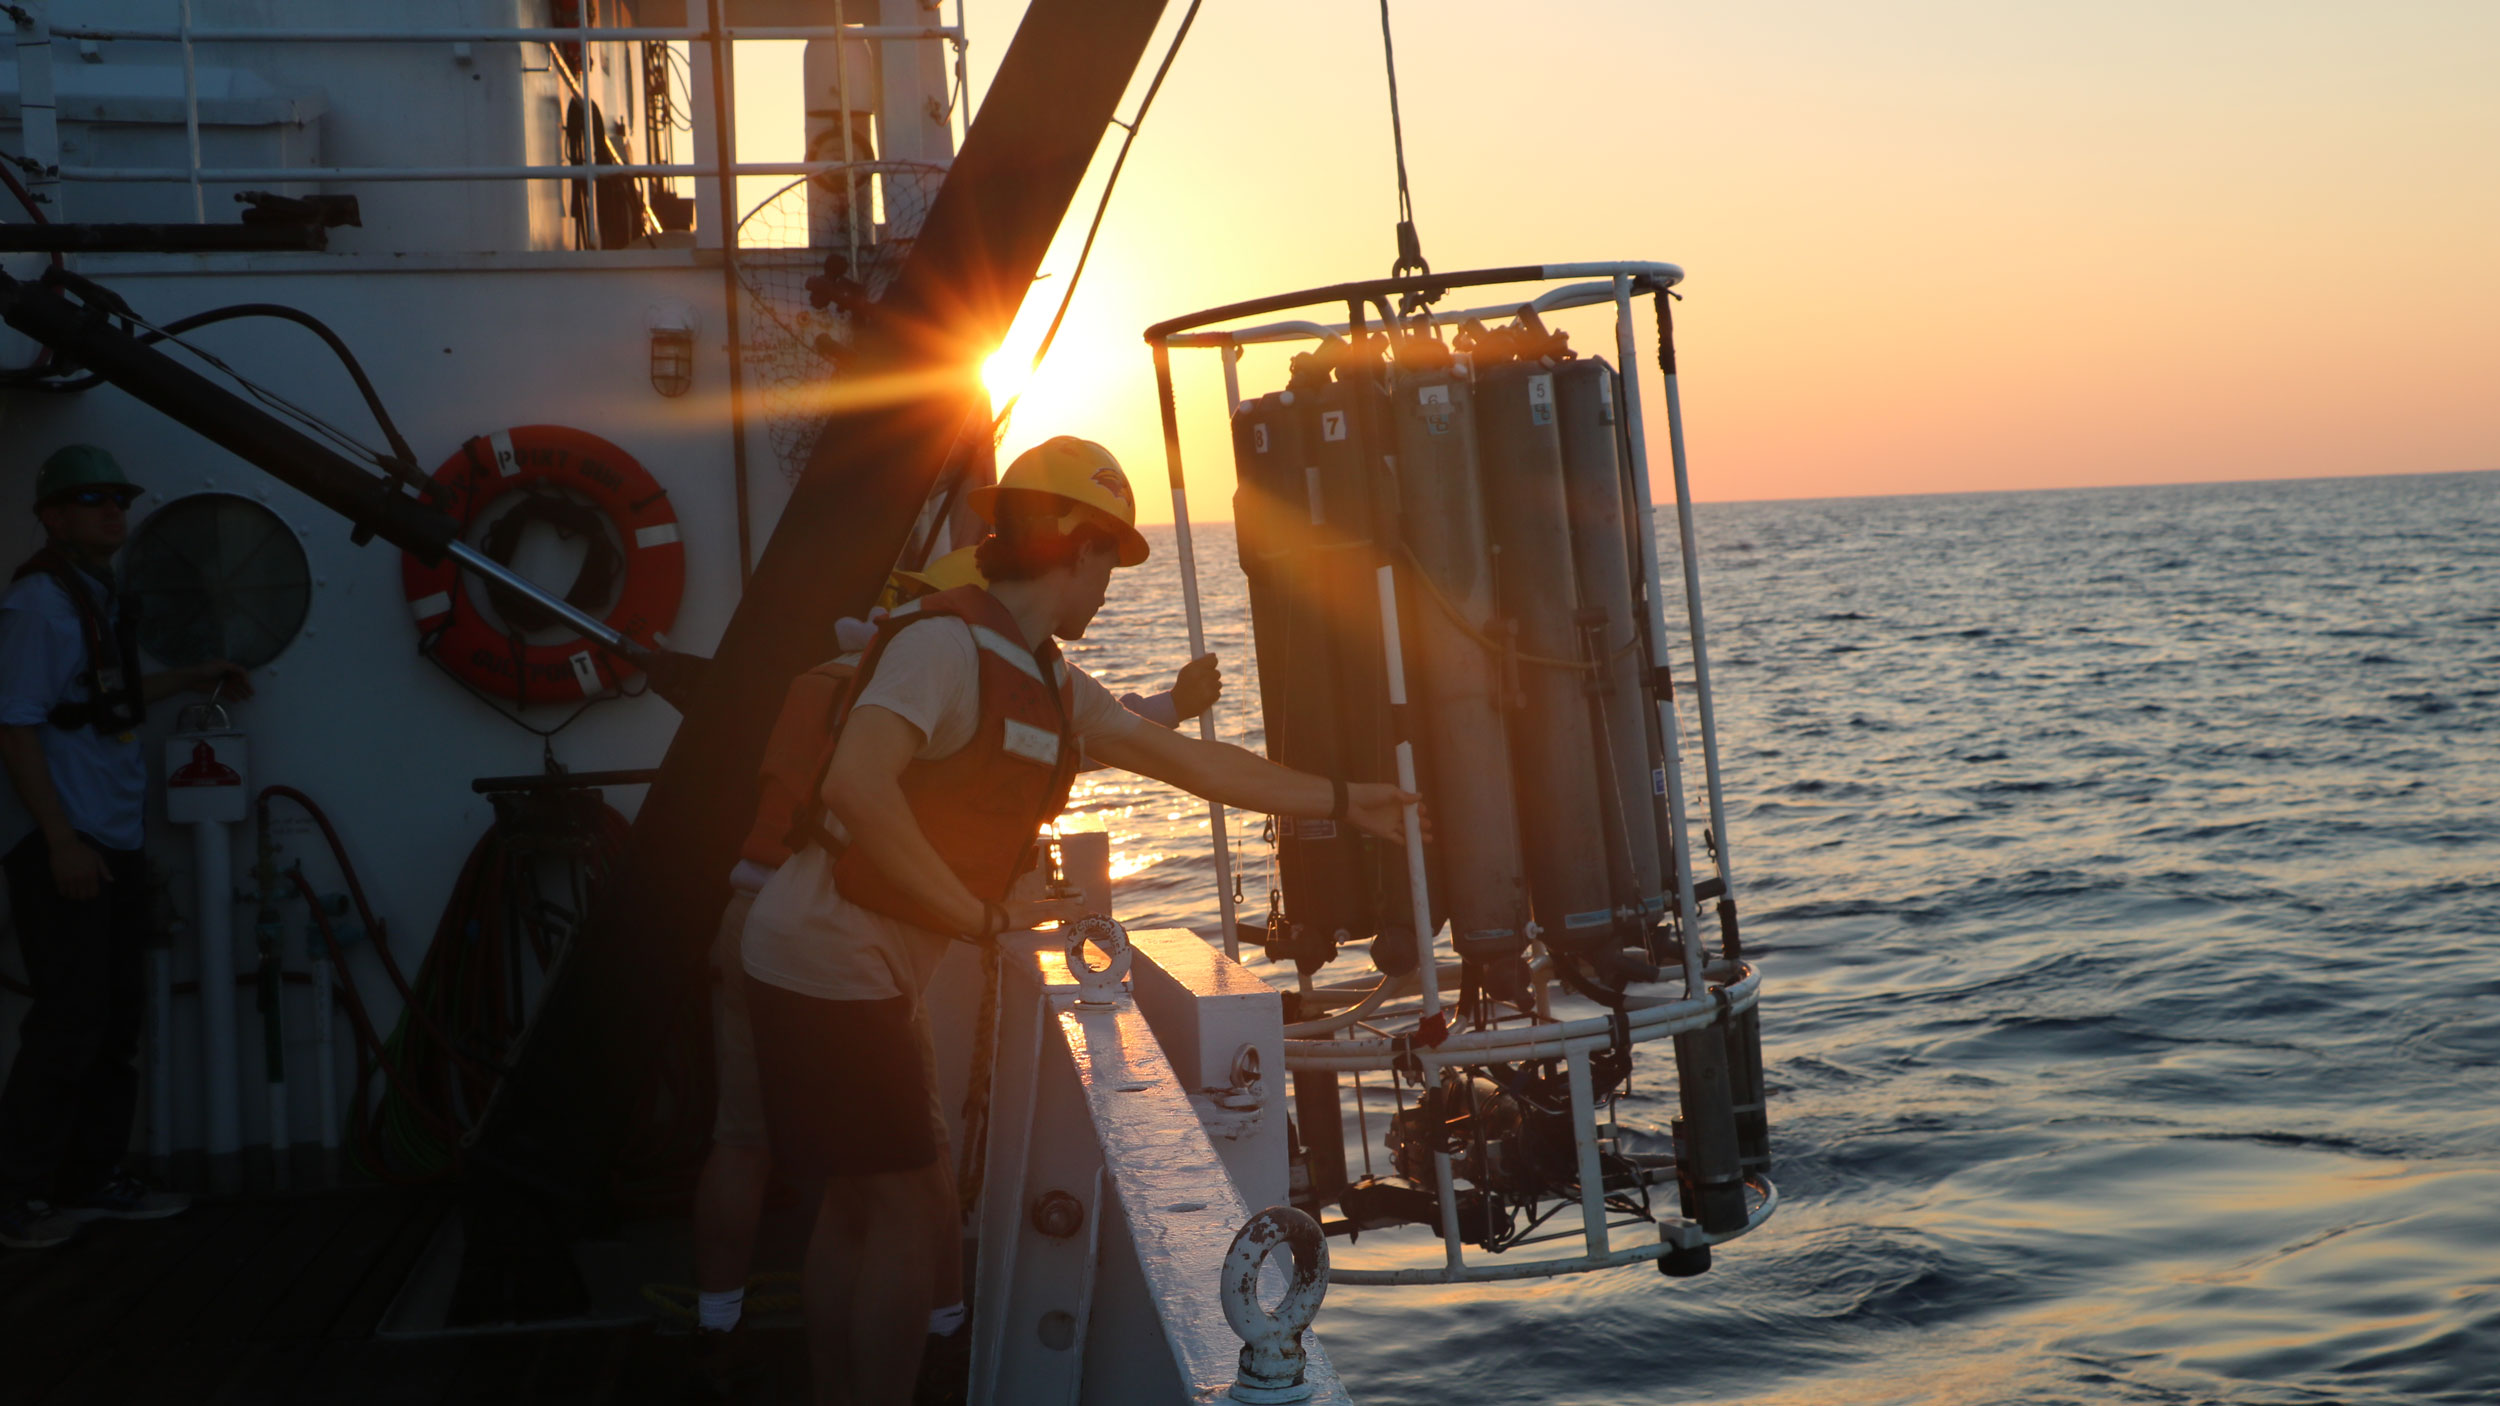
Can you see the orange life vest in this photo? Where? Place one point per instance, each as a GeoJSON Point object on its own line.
{"type": "Point", "coordinates": [982, 807]}
{"type": "Point", "coordinates": [789, 815]}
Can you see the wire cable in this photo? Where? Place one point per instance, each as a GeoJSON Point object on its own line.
{"type": "Point", "coordinates": [1410, 247]}
{"type": "Point", "coordinates": [998, 423]}
{"type": "Point", "coordinates": [406, 470]}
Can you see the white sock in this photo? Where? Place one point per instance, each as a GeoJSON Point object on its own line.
{"type": "Point", "coordinates": [718, 1313]}
{"type": "Point", "coordinates": [944, 1321]}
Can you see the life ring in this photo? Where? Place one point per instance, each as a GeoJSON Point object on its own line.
{"type": "Point", "coordinates": [550, 461]}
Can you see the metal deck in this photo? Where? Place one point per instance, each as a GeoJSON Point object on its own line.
{"type": "Point", "coordinates": [271, 1299]}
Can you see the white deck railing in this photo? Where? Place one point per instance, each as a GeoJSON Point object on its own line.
{"type": "Point", "coordinates": [34, 36]}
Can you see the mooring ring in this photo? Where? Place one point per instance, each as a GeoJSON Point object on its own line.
{"type": "Point", "coordinates": [1100, 985]}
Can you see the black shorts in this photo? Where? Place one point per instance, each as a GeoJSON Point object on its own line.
{"type": "Point", "coordinates": [846, 1090]}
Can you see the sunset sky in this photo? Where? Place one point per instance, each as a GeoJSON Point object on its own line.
{"type": "Point", "coordinates": [1930, 247]}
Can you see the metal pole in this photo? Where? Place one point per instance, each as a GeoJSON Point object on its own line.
{"type": "Point", "coordinates": [1197, 632]}
{"type": "Point", "coordinates": [1418, 887]}
{"type": "Point", "coordinates": [40, 129]}
{"type": "Point", "coordinates": [589, 626]}
{"type": "Point", "coordinates": [213, 885]}
{"type": "Point", "coordinates": [191, 116]}
{"type": "Point", "coordinates": [1677, 823]}
{"type": "Point", "coordinates": [842, 100]}
{"type": "Point", "coordinates": [725, 199]}
{"type": "Point", "coordinates": [1692, 594]}
{"type": "Point", "coordinates": [1584, 1140]}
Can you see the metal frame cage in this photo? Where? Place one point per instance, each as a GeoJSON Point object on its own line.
{"type": "Point", "coordinates": [1398, 1025]}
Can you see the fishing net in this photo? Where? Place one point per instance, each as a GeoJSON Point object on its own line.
{"type": "Point", "coordinates": [795, 332]}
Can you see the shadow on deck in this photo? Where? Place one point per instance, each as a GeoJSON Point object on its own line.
{"type": "Point", "coordinates": [270, 1300]}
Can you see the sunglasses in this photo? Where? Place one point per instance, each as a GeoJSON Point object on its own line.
{"type": "Point", "coordinates": [98, 497]}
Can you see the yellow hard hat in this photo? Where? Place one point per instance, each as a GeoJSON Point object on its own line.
{"type": "Point", "coordinates": [900, 586]}
{"type": "Point", "coordinates": [1083, 473]}
{"type": "Point", "coordinates": [956, 568]}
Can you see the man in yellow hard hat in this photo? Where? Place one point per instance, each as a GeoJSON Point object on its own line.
{"type": "Point", "coordinates": [737, 1171]}
{"type": "Point", "coordinates": [963, 737]}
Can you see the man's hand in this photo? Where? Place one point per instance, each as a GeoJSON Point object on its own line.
{"type": "Point", "coordinates": [1200, 683]}
{"type": "Point", "coordinates": [1380, 808]}
{"type": "Point", "coordinates": [77, 871]}
{"type": "Point", "coordinates": [1023, 913]}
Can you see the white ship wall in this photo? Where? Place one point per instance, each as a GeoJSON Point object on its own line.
{"type": "Point", "coordinates": [349, 712]}
{"type": "Point", "coordinates": [301, 104]}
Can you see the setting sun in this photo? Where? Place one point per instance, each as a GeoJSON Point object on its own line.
{"type": "Point", "coordinates": [1005, 373]}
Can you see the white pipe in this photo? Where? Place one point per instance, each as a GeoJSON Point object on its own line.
{"type": "Point", "coordinates": [325, 1071]}
{"type": "Point", "coordinates": [1572, 295]}
{"type": "Point", "coordinates": [1197, 636]}
{"type": "Point", "coordinates": [1513, 1269]}
{"type": "Point", "coordinates": [214, 863]}
{"type": "Point", "coordinates": [589, 187]}
{"type": "Point", "coordinates": [842, 100]}
{"type": "Point", "coordinates": [1692, 609]}
{"type": "Point", "coordinates": [191, 114]}
{"type": "Point", "coordinates": [1584, 1136]}
{"type": "Point", "coordinates": [1418, 889]}
{"type": "Point", "coordinates": [1453, 1249]}
{"type": "Point", "coordinates": [1678, 824]}
{"type": "Point", "coordinates": [40, 133]}
{"type": "Point", "coordinates": [160, 1055]}
{"type": "Point", "coordinates": [1389, 989]}
{"type": "Point", "coordinates": [1532, 1041]}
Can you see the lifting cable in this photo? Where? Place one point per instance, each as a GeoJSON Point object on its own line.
{"type": "Point", "coordinates": [1410, 258]}
{"type": "Point", "coordinates": [998, 424]}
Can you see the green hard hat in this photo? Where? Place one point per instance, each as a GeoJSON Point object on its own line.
{"type": "Point", "coordinates": [76, 466]}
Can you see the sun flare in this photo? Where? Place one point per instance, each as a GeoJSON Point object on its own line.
{"type": "Point", "coordinates": [1005, 373]}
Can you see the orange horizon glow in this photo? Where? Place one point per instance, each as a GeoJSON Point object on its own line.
{"type": "Point", "coordinates": [1929, 248]}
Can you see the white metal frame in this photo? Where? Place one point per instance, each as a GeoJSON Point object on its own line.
{"type": "Point", "coordinates": [32, 35]}
{"type": "Point", "coordinates": [1575, 1042]}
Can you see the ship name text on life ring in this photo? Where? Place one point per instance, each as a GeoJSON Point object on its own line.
{"type": "Point", "coordinates": [559, 469]}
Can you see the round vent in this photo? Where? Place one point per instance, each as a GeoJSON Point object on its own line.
{"type": "Point", "coordinates": [218, 577]}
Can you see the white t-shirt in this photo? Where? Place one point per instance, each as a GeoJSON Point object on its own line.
{"type": "Point", "coordinates": [802, 934]}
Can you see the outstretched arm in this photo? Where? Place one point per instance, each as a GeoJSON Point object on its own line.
{"type": "Point", "coordinates": [864, 787]}
{"type": "Point", "coordinates": [1220, 771]}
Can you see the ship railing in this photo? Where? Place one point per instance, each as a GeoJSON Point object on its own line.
{"type": "Point", "coordinates": [1135, 1129]}
{"type": "Point", "coordinates": [34, 36]}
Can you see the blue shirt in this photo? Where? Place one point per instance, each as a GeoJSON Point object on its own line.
{"type": "Point", "coordinates": [102, 781]}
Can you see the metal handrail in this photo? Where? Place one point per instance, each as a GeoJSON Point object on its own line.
{"type": "Point", "coordinates": [669, 34]}
{"type": "Point", "coordinates": [1570, 295]}
{"type": "Point", "coordinates": [589, 169]}
{"type": "Point", "coordinates": [231, 174]}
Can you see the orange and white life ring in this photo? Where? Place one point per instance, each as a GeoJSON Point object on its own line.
{"type": "Point", "coordinates": [552, 461]}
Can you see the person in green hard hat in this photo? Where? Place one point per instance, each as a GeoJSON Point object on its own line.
{"type": "Point", "coordinates": [71, 700]}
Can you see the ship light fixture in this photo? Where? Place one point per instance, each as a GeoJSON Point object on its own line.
{"type": "Point", "coordinates": [672, 348]}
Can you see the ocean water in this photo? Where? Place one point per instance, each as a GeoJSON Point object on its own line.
{"type": "Point", "coordinates": [2124, 866]}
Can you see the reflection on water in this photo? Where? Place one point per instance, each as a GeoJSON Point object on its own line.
{"type": "Point", "coordinates": [2125, 868]}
